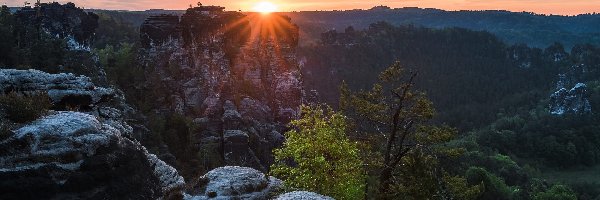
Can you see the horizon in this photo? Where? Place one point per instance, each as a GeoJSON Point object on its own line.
{"type": "Point", "coordinates": [551, 7]}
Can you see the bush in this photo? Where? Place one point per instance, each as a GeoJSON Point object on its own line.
{"type": "Point", "coordinates": [21, 108]}
{"type": "Point", "coordinates": [319, 157]}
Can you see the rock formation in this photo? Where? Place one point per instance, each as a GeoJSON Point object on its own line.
{"type": "Point", "coordinates": [302, 195]}
{"type": "Point", "coordinates": [233, 182]}
{"type": "Point", "coordinates": [236, 75]}
{"type": "Point", "coordinates": [573, 101]}
{"type": "Point", "coordinates": [63, 21]}
{"type": "Point", "coordinates": [92, 153]}
{"type": "Point", "coordinates": [73, 155]}
{"type": "Point", "coordinates": [67, 33]}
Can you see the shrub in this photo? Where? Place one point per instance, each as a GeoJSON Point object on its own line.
{"type": "Point", "coordinates": [319, 157]}
{"type": "Point", "coordinates": [21, 108]}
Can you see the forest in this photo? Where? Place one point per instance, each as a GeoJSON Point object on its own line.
{"type": "Point", "coordinates": [463, 113]}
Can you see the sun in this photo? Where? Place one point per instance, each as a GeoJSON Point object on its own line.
{"type": "Point", "coordinates": [265, 7]}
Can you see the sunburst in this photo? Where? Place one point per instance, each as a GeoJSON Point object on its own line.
{"type": "Point", "coordinates": [265, 7]}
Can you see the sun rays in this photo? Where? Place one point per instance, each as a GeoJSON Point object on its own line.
{"type": "Point", "coordinates": [265, 7]}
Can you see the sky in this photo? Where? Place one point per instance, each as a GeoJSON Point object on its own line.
{"type": "Point", "coordinates": [559, 7]}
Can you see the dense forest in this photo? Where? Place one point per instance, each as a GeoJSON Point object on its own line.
{"type": "Point", "coordinates": [491, 112]}
{"type": "Point", "coordinates": [498, 95]}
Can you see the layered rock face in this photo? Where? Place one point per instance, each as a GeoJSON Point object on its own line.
{"type": "Point", "coordinates": [236, 75]}
{"type": "Point", "coordinates": [90, 154]}
{"type": "Point", "coordinates": [234, 182]}
{"type": "Point", "coordinates": [63, 21]}
{"type": "Point", "coordinates": [302, 195]}
{"type": "Point", "coordinates": [72, 155]}
{"type": "Point", "coordinates": [573, 101]}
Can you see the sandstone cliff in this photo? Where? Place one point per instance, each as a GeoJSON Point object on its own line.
{"type": "Point", "coordinates": [235, 74]}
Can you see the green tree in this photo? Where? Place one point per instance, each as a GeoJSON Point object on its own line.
{"type": "Point", "coordinates": [495, 187]}
{"type": "Point", "coordinates": [394, 119]}
{"type": "Point", "coordinates": [555, 193]}
{"type": "Point", "coordinates": [318, 156]}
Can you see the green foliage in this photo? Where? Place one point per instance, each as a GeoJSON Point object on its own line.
{"type": "Point", "coordinates": [121, 65]}
{"type": "Point", "coordinates": [394, 120]}
{"type": "Point", "coordinates": [495, 188]}
{"type": "Point", "coordinates": [27, 46]}
{"type": "Point", "coordinates": [557, 192]}
{"type": "Point", "coordinates": [422, 177]}
{"type": "Point", "coordinates": [460, 188]}
{"type": "Point", "coordinates": [319, 157]}
{"type": "Point", "coordinates": [21, 108]}
{"type": "Point", "coordinates": [113, 30]}
{"type": "Point", "coordinates": [176, 131]}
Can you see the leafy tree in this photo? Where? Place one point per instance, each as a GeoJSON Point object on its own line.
{"type": "Point", "coordinates": [393, 118]}
{"type": "Point", "coordinates": [319, 157]}
{"type": "Point", "coordinates": [557, 192]}
{"type": "Point", "coordinates": [495, 187]}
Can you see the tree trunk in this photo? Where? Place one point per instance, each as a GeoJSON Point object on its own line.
{"type": "Point", "coordinates": [385, 182]}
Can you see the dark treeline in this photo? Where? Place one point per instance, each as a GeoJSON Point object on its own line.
{"type": "Point", "coordinates": [512, 27]}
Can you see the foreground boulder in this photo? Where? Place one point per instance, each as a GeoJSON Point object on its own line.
{"type": "Point", "coordinates": [72, 155]}
{"type": "Point", "coordinates": [234, 182]}
{"type": "Point", "coordinates": [302, 195]}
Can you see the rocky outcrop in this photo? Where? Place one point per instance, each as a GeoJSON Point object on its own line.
{"type": "Point", "coordinates": [71, 92]}
{"type": "Point", "coordinates": [232, 73]}
{"type": "Point", "coordinates": [159, 29]}
{"type": "Point", "coordinates": [573, 101]}
{"type": "Point", "coordinates": [63, 89]}
{"type": "Point", "coordinates": [302, 195]}
{"type": "Point", "coordinates": [63, 21]}
{"type": "Point", "coordinates": [72, 155]}
{"type": "Point", "coordinates": [232, 182]}
{"type": "Point", "coordinates": [54, 25]}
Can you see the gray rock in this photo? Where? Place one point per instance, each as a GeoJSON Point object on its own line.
{"type": "Point", "coordinates": [62, 88]}
{"type": "Point", "coordinates": [232, 182]}
{"type": "Point", "coordinates": [73, 155]}
{"type": "Point", "coordinates": [573, 101]}
{"type": "Point", "coordinates": [302, 195]}
{"type": "Point", "coordinates": [257, 83]}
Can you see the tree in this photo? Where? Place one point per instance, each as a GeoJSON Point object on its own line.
{"type": "Point", "coordinates": [318, 156]}
{"type": "Point", "coordinates": [7, 26]}
{"type": "Point", "coordinates": [394, 118]}
{"type": "Point", "coordinates": [556, 192]}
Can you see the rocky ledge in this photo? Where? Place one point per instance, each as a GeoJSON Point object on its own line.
{"type": "Point", "coordinates": [72, 155]}
{"type": "Point", "coordinates": [63, 89]}
{"type": "Point", "coordinates": [232, 182]}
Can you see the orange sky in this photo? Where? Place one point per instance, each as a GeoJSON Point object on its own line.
{"type": "Point", "coordinates": [563, 7]}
